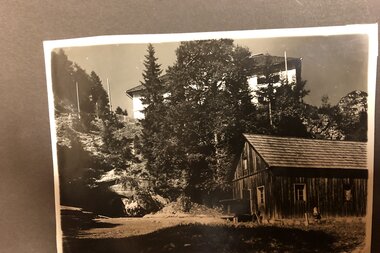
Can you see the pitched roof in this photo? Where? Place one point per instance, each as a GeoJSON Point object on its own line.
{"type": "Point", "coordinates": [135, 89]}
{"type": "Point", "coordinates": [164, 78]}
{"type": "Point", "coordinates": [309, 153]}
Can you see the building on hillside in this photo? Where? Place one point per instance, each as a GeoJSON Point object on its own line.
{"type": "Point", "coordinates": [281, 177]}
{"type": "Point", "coordinates": [135, 94]}
{"type": "Point", "coordinates": [280, 67]}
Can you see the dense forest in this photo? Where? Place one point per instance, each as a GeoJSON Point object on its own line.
{"type": "Point", "coordinates": [191, 135]}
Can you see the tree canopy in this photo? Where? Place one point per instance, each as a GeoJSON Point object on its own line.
{"type": "Point", "coordinates": [206, 110]}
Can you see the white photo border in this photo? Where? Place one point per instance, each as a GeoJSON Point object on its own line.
{"type": "Point", "coordinates": [370, 30]}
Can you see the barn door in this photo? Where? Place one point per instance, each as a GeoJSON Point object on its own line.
{"type": "Point", "coordinates": [247, 201]}
{"type": "Point", "coordinates": [300, 199]}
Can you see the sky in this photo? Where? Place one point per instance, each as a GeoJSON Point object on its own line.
{"type": "Point", "coordinates": [332, 65]}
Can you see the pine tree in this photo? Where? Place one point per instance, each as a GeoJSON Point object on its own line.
{"type": "Point", "coordinates": [154, 112]}
{"type": "Point", "coordinates": [119, 110]}
{"type": "Point", "coordinates": [115, 144]}
{"type": "Point", "coordinates": [99, 96]}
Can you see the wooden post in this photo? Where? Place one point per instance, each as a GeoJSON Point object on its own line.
{"type": "Point", "coordinates": [286, 68]}
{"type": "Point", "coordinates": [97, 110]}
{"type": "Point", "coordinates": [306, 220]}
{"type": "Point", "coordinates": [78, 102]}
{"type": "Point", "coordinates": [270, 112]}
{"type": "Point", "coordinates": [109, 95]}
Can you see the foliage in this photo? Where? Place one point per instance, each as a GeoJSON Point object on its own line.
{"type": "Point", "coordinates": [82, 161]}
{"type": "Point", "coordinates": [207, 109]}
{"type": "Point", "coordinates": [116, 146]}
{"type": "Point", "coordinates": [289, 109]}
{"type": "Point", "coordinates": [121, 111]}
{"type": "Point", "coordinates": [162, 163]}
{"type": "Point", "coordinates": [282, 106]}
{"type": "Point", "coordinates": [351, 115]}
{"type": "Point", "coordinates": [73, 86]}
{"type": "Point", "coordinates": [347, 120]}
{"type": "Point", "coordinates": [154, 110]}
{"type": "Point", "coordinates": [99, 96]}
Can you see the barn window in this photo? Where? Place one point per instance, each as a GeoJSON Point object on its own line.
{"type": "Point", "coordinates": [261, 195]}
{"type": "Point", "coordinates": [347, 192]}
{"type": "Point", "coordinates": [300, 192]}
{"type": "Point", "coordinates": [245, 162]}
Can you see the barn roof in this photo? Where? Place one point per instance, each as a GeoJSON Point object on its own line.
{"type": "Point", "coordinates": [309, 153]}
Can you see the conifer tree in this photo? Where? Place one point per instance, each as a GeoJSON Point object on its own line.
{"type": "Point", "coordinates": [152, 123]}
{"type": "Point", "coordinates": [99, 96]}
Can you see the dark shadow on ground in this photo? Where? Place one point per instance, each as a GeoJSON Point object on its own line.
{"type": "Point", "coordinates": [211, 238]}
{"type": "Point", "coordinates": [75, 221]}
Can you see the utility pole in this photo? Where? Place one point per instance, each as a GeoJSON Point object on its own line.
{"type": "Point", "coordinates": [97, 110]}
{"type": "Point", "coordinates": [270, 112]}
{"type": "Point", "coordinates": [78, 102]}
{"type": "Point", "coordinates": [286, 68]}
{"type": "Point", "coordinates": [109, 95]}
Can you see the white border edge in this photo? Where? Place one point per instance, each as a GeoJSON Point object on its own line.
{"type": "Point", "coordinates": [53, 131]}
{"type": "Point", "coordinates": [371, 30]}
{"type": "Point", "coordinates": [244, 34]}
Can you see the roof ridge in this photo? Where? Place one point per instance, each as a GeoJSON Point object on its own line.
{"type": "Point", "coordinates": [303, 139]}
{"type": "Point", "coordinates": [314, 153]}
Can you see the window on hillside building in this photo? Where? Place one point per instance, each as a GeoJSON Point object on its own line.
{"type": "Point", "coordinates": [300, 192]}
{"type": "Point", "coordinates": [261, 196]}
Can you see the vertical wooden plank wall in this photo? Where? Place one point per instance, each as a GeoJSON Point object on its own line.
{"type": "Point", "coordinates": [327, 193]}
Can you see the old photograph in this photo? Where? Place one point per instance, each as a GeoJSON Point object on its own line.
{"type": "Point", "coordinates": [245, 141]}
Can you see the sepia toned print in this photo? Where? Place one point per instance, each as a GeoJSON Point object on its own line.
{"type": "Point", "coordinates": [251, 141]}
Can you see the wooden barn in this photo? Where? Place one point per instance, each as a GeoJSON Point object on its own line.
{"type": "Point", "coordinates": [281, 177]}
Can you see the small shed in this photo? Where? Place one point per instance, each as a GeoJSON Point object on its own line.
{"type": "Point", "coordinates": [282, 177]}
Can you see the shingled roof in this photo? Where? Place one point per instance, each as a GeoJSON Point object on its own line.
{"type": "Point", "coordinates": [309, 153]}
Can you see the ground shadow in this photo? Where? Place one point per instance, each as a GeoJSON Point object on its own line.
{"type": "Point", "coordinates": [75, 221]}
{"type": "Point", "coordinates": [211, 238]}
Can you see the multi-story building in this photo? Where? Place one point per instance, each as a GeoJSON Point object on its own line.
{"type": "Point", "coordinates": [288, 70]}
